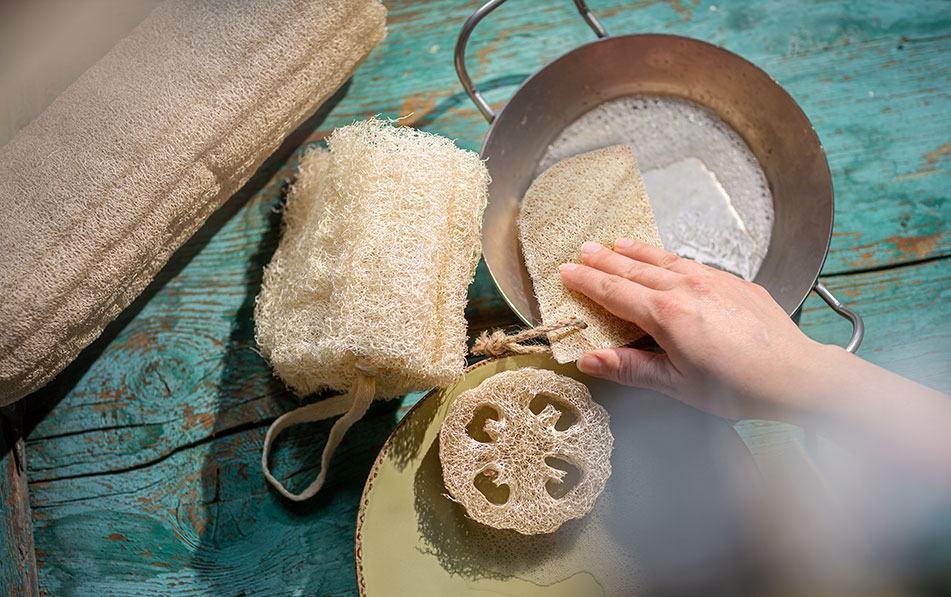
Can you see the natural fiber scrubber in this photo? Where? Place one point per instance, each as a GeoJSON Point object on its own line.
{"type": "Point", "coordinates": [367, 289]}
{"type": "Point", "coordinates": [504, 445]}
{"type": "Point", "coordinates": [123, 167]}
{"type": "Point", "coordinates": [596, 196]}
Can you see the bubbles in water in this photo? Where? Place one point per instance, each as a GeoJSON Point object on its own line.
{"type": "Point", "coordinates": [710, 197]}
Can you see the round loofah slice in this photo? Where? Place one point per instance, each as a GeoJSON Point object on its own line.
{"type": "Point", "coordinates": [526, 450]}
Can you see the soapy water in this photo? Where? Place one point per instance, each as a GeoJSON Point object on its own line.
{"type": "Point", "coordinates": [709, 195]}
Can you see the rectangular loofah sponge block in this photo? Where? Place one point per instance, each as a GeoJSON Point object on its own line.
{"type": "Point", "coordinates": [381, 239]}
{"type": "Point", "coordinates": [101, 188]}
{"type": "Point", "coordinates": [595, 196]}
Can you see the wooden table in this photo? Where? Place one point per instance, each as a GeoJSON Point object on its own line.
{"type": "Point", "coordinates": [142, 459]}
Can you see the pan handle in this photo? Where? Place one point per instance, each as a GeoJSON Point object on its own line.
{"type": "Point", "coordinates": [858, 326]}
{"type": "Point", "coordinates": [466, 31]}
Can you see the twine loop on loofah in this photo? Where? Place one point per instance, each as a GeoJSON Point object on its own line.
{"type": "Point", "coordinates": [364, 367]}
{"type": "Point", "coordinates": [498, 344]}
{"type": "Point", "coordinates": [353, 405]}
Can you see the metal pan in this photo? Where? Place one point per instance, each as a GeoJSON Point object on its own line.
{"type": "Point", "coordinates": [742, 95]}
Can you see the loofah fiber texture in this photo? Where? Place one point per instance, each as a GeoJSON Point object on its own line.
{"type": "Point", "coordinates": [104, 185]}
{"type": "Point", "coordinates": [381, 239]}
{"type": "Point", "coordinates": [380, 242]}
{"type": "Point", "coordinates": [517, 448]}
{"type": "Point", "coordinates": [596, 196]}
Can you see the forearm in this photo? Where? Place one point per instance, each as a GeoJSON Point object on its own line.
{"type": "Point", "coordinates": [848, 397]}
{"type": "Point", "coordinates": [732, 351]}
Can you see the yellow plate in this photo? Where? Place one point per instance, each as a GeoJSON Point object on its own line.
{"type": "Point", "coordinates": [670, 519]}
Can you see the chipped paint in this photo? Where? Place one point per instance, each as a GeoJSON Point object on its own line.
{"type": "Point", "coordinates": [918, 247]}
{"type": "Point", "coordinates": [931, 158]}
{"type": "Point", "coordinates": [190, 503]}
{"type": "Point", "coordinates": [416, 109]}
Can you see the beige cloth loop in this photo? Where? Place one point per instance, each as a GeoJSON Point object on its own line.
{"type": "Point", "coordinates": [353, 405]}
{"type": "Point", "coordinates": [499, 344]}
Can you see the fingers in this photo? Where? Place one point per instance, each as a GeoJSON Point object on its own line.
{"type": "Point", "coordinates": [631, 367]}
{"type": "Point", "coordinates": [656, 256]}
{"type": "Point", "coordinates": [610, 262]}
{"type": "Point", "coordinates": [618, 295]}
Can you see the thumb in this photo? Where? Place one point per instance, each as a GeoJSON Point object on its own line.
{"type": "Point", "coordinates": [630, 367]}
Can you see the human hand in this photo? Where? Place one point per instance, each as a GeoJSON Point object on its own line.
{"type": "Point", "coordinates": [731, 350]}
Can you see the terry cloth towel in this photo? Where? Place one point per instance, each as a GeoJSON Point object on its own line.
{"type": "Point", "coordinates": [122, 168]}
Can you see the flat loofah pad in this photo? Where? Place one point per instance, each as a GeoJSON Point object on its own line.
{"type": "Point", "coordinates": [500, 458]}
{"type": "Point", "coordinates": [122, 168]}
{"type": "Point", "coordinates": [596, 196]}
{"type": "Point", "coordinates": [380, 242]}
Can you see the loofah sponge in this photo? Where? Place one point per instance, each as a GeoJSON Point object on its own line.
{"type": "Point", "coordinates": [596, 196]}
{"type": "Point", "coordinates": [368, 285]}
{"type": "Point", "coordinates": [504, 447]}
{"type": "Point", "coordinates": [100, 189]}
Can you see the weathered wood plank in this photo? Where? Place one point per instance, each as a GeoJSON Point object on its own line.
{"type": "Point", "coordinates": [17, 557]}
{"type": "Point", "coordinates": [184, 522]}
{"type": "Point", "coordinates": [144, 453]}
{"type": "Point", "coordinates": [203, 522]}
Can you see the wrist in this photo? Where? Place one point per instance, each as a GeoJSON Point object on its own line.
{"type": "Point", "coordinates": [809, 377]}
{"type": "Point", "coordinates": [834, 385]}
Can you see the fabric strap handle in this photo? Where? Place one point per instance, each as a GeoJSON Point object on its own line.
{"type": "Point", "coordinates": [353, 405]}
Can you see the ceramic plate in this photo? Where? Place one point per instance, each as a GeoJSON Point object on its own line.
{"type": "Point", "coordinates": [671, 518]}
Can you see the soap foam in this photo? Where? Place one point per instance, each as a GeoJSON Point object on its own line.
{"type": "Point", "coordinates": [710, 196]}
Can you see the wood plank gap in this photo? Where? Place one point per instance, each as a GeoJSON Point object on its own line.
{"type": "Point", "coordinates": [883, 268]}
{"type": "Point", "coordinates": [39, 438]}
{"type": "Point", "coordinates": [904, 40]}
{"type": "Point", "coordinates": [143, 465]}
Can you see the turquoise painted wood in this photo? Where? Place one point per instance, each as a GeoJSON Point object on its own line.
{"type": "Point", "coordinates": [17, 554]}
{"type": "Point", "coordinates": [143, 456]}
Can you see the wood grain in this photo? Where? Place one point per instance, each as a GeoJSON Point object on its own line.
{"type": "Point", "coordinates": [144, 454]}
{"type": "Point", "coordinates": [17, 555]}
{"type": "Point", "coordinates": [873, 79]}
{"type": "Point", "coordinates": [187, 513]}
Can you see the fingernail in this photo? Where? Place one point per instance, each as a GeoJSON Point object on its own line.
{"type": "Point", "coordinates": [590, 247]}
{"type": "Point", "coordinates": [591, 365]}
{"type": "Point", "coordinates": [567, 267]}
{"type": "Point", "coordinates": [624, 243]}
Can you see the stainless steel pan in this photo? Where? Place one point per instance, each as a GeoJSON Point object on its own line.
{"type": "Point", "coordinates": [745, 97]}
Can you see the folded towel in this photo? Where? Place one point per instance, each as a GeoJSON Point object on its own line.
{"type": "Point", "coordinates": [101, 188]}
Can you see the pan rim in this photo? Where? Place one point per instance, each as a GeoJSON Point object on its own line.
{"type": "Point", "coordinates": [706, 46]}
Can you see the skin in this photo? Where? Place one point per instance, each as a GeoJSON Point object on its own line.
{"type": "Point", "coordinates": [732, 351]}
